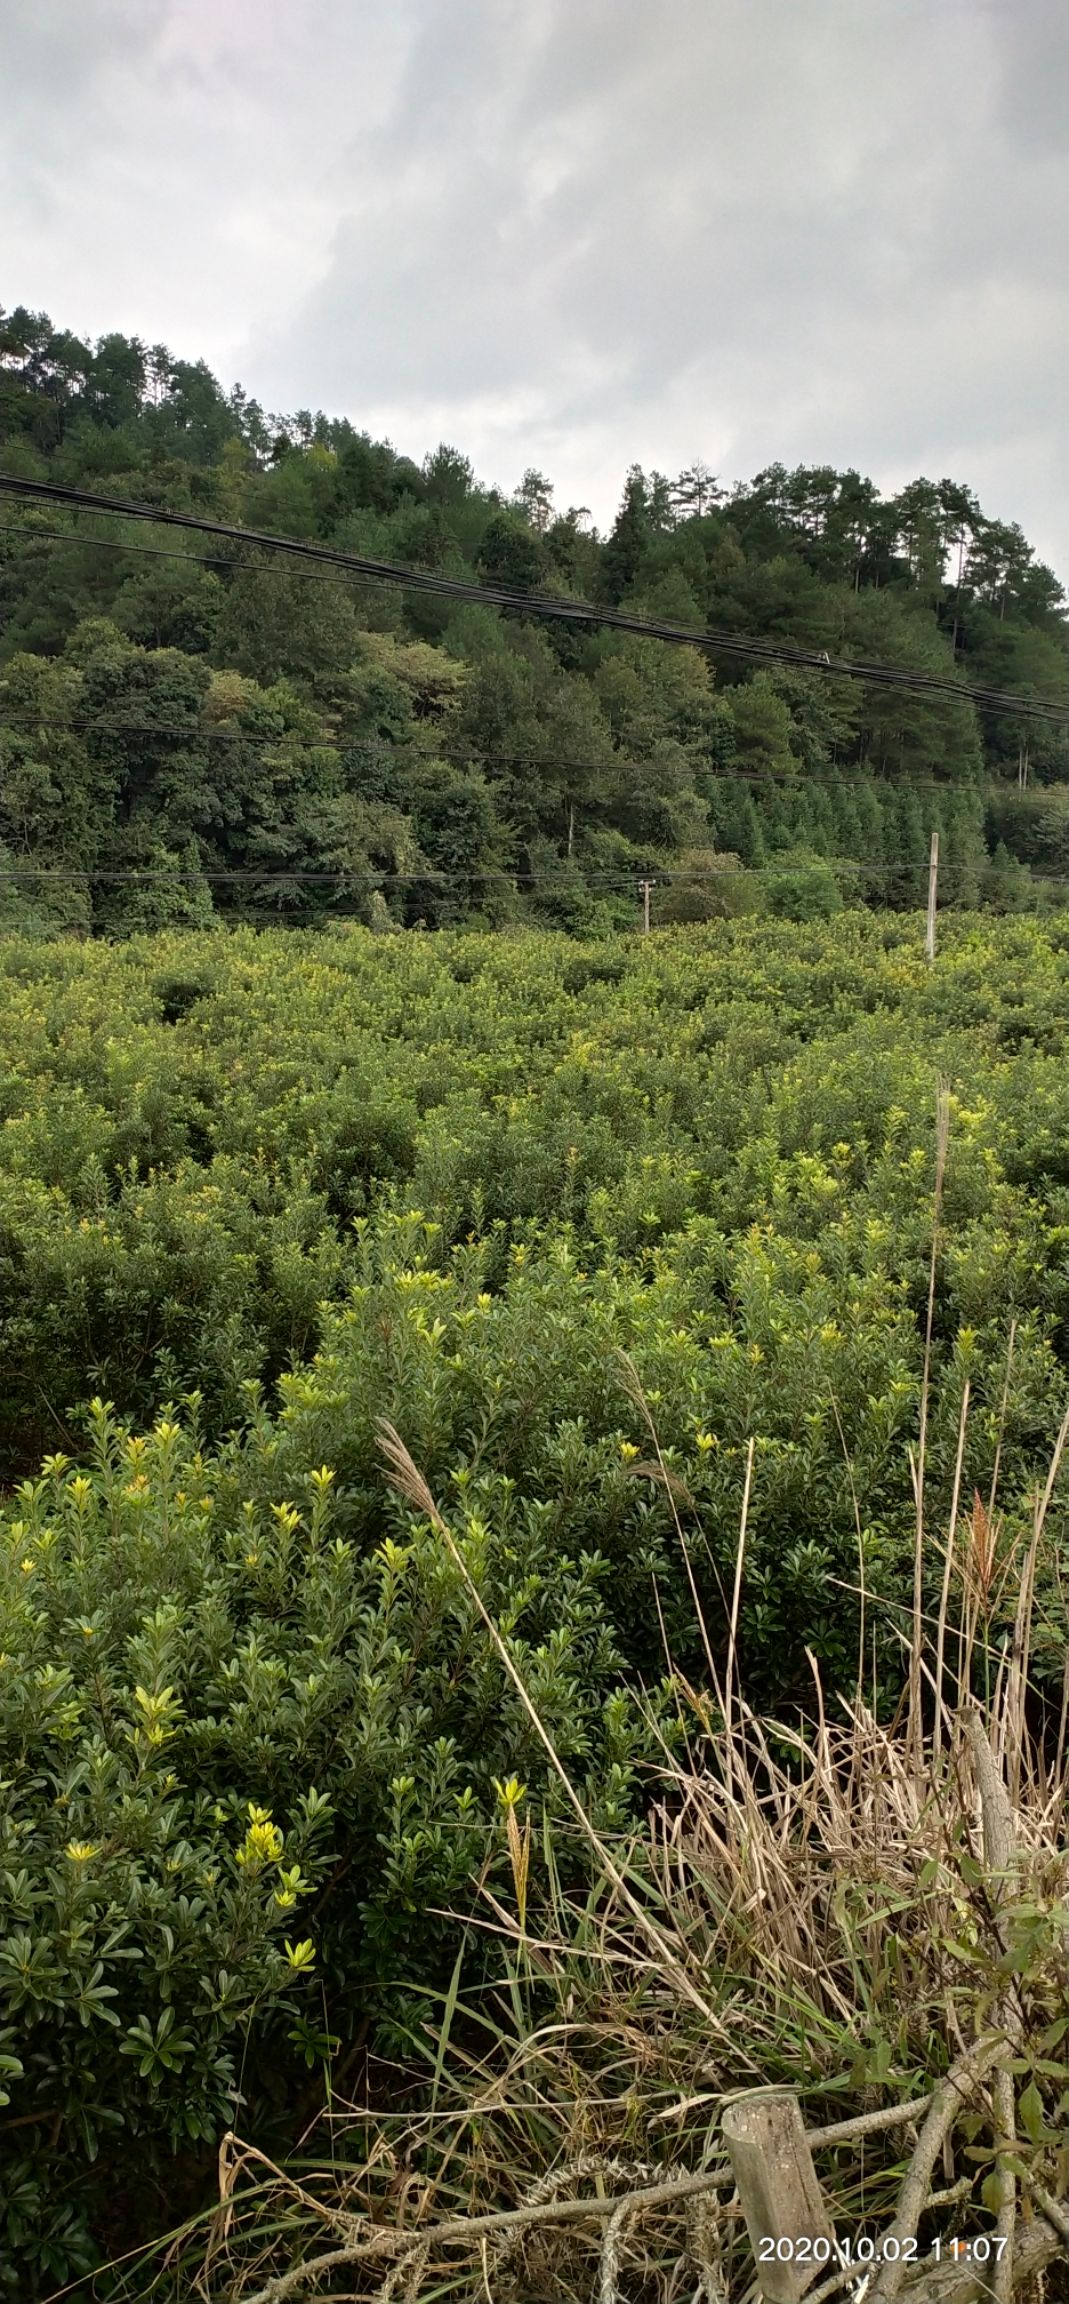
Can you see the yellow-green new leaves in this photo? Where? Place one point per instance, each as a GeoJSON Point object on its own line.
{"type": "Point", "coordinates": [156, 1719]}
{"type": "Point", "coordinates": [511, 1796]}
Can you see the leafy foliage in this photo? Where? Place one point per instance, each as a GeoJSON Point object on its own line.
{"type": "Point", "coordinates": [261, 1192]}
{"type": "Point", "coordinates": [336, 747]}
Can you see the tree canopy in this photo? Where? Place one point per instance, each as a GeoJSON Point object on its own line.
{"type": "Point", "coordinates": [269, 740]}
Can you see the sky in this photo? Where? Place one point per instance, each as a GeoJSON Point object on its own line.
{"type": "Point", "coordinates": [575, 234]}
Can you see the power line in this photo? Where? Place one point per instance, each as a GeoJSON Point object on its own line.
{"type": "Point", "coordinates": [539, 604]}
{"type": "Point", "coordinates": [171, 552]}
{"type": "Point", "coordinates": [758, 650]}
{"type": "Point", "coordinates": [909, 678]}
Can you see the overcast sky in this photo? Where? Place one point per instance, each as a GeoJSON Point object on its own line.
{"type": "Point", "coordinates": [577, 234]}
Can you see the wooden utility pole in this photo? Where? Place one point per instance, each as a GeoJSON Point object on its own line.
{"type": "Point", "coordinates": [933, 882]}
{"type": "Point", "coordinates": [644, 888]}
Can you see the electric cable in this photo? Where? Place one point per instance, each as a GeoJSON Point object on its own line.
{"type": "Point", "coordinates": [532, 603]}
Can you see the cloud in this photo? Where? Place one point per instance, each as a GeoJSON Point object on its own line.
{"type": "Point", "coordinates": [585, 235]}
{"type": "Point", "coordinates": [1033, 46]}
{"type": "Point", "coordinates": [166, 166]}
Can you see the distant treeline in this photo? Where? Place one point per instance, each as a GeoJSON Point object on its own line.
{"type": "Point", "coordinates": [180, 712]}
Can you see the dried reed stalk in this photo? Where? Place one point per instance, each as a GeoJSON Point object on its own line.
{"type": "Point", "coordinates": [942, 1138]}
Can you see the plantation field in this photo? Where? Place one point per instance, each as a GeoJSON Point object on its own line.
{"type": "Point", "coordinates": [609, 1233]}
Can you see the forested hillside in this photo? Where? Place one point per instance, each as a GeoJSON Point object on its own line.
{"type": "Point", "coordinates": [274, 742]}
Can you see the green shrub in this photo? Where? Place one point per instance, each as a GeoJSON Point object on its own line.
{"type": "Point", "coordinates": [453, 1181]}
{"type": "Point", "coordinates": [213, 1703]}
{"type": "Point", "coordinates": [149, 1922]}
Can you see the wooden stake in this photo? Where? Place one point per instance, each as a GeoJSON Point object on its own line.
{"type": "Point", "coordinates": [933, 882]}
{"type": "Point", "coordinates": [781, 2197]}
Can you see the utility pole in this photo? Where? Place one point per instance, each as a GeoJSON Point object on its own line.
{"type": "Point", "coordinates": [933, 882]}
{"type": "Point", "coordinates": [644, 888]}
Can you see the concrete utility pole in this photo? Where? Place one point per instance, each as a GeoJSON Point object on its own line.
{"type": "Point", "coordinates": [644, 888]}
{"type": "Point", "coordinates": [933, 883]}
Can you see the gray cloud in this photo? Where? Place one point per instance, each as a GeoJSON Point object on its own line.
{"type": "Point", "coordinates": [52, 56]}
{"type": "Point", "coordinates": [1033, 44]}
{"type": "Point", "coordinates": [582, 235]}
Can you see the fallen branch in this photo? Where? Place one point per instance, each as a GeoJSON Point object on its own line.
{"type": "Point", "coordinates": [455, 2230]}
{"type": "Point", "coordinates": [842, 2131]}
{"type": "Point", "coordinates": [869, 2123]}
{"type": "Point", "coordinates": [1000, 1849]}
{"type": "Point", "coordinates": [1038, 2245]}
{"type": "Point", "coordinates": [961, 2080]}
{"type": "Point", "coordinates": [1052, 2209]}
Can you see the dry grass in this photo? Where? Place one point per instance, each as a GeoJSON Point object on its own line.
{"type": "Point", "coordinates": [863, 1913]}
